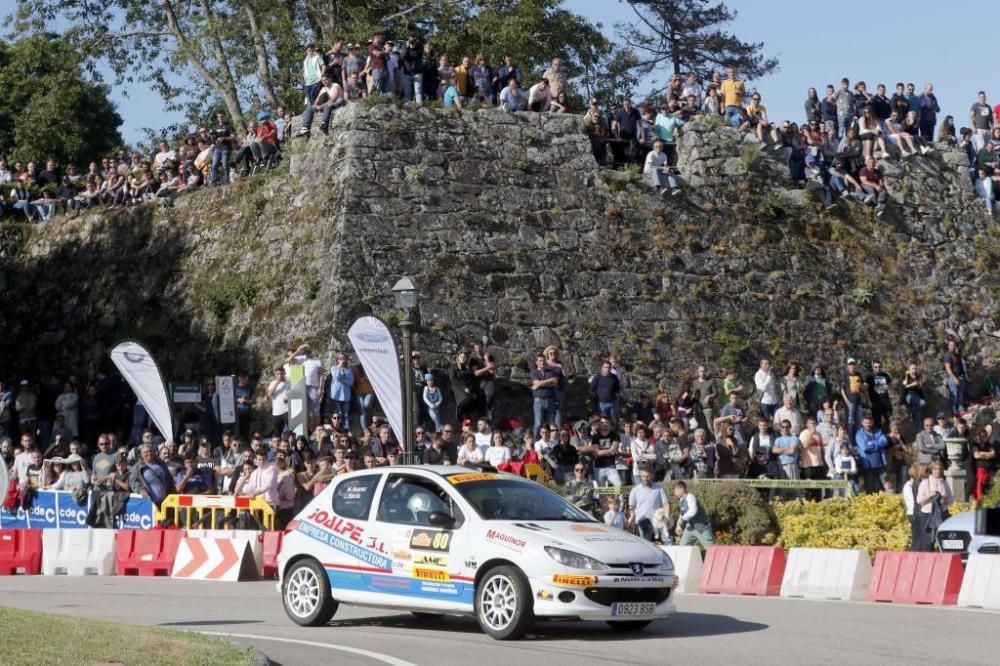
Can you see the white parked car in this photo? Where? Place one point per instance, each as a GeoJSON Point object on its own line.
{"type": "Point", "coordinates": [450, 540]}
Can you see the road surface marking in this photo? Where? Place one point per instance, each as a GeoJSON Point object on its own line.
{"type": "Point", "coordinates": [377, 656]}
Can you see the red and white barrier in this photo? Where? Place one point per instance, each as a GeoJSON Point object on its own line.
{"type": "Point", "coordinates": [751, 570]}
{"type": "Point", "coordinates": [826, 573]}
{"type": "Point", "coordinates": [146, 552]}
{"type": "Point", "coordinates": [20, 552]}
{"type": "Point", "coordinates": [78, 552]}
{"type": "Point", "coordinates": [687, 566]}
{"type": "Point", "coordinates": [254, 537]}
{"type": "Point", "coordinates": [981, 582]}
{"type": "Point", "coordinates": [916, 578]}
{"type": "Point", "coordinates": [226, 559]}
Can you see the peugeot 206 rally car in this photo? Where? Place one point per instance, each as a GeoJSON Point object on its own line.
{"type": "Point", "coordinates": [448, 540]}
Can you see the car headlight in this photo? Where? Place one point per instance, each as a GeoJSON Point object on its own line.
{"type": "Point", "coordinates": [574, 560]}
{"type": "Point", "coordinates": [665, 561]}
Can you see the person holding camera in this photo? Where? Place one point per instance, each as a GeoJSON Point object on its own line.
{"type": "Point", "coordinates": [933, 497]}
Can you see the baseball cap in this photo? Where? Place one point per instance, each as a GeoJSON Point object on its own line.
{"type": "Point", "coordinates": [850, 361]}
{"type": "Point", "coordinates": [24, 382]}
{"type": "Point", "coordinates": [467, 422]}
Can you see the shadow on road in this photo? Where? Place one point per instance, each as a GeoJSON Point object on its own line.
{"type": "Point", "coordinates": [682, 625]}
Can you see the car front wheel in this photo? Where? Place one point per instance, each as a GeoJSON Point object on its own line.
{"type": "Point", "coordinates": [504, 603]}
{"type": "Point", "coordinates": [306, 594]}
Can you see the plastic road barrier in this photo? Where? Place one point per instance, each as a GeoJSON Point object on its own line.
{"type": "Point", "coordinates": [752, 570]}
{"type": "Point", "coordinates": [271, 548]}
{"type": "Point", "coordinates": [146, 552]}
{"type": "Point", "coordinates": [75, 552]}
{"type": "Point", "coordinates": [254, 537]}
{"type": "Point", "coordinates": [20, 551]}
{"type": "Point", "coordinates": [687, 566]}
{"type": "Point", "coordinates": [827, 573]}
{"type": "Point", "coordinates": [981, 582]}
{"type": "Point", "coordinates": [225, 559]}
{"type": "Point", "coordinates": [211, 511]}
{"type": "Point", "coordinates": [916, 578]}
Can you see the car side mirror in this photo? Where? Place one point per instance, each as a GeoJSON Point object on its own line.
{"type": "Point", "coordinates": [440, 519]}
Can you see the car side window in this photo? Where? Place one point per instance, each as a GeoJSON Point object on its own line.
{"type": "Point", "coordinates": [409, 500]}
{"type": "Point", "coordinates": [353, 497]}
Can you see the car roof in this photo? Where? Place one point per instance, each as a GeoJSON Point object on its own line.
{"type": "Point", "coordinates": [439, 470]}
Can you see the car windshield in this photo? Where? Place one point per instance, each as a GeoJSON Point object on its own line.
{"type": "Point", "coordinates": [510, 499]}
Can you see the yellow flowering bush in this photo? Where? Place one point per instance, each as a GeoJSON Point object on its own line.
{"type": "Point", "coordinates": [870, 522]}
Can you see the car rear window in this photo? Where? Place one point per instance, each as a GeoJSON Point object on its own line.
{"type": "Point", "coordinates": [353, 497]}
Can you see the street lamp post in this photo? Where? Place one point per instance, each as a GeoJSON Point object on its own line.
{"type": "Point", "coordinates": [405, 295]}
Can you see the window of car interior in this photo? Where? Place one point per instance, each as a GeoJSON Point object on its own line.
{"type": "Point", "coordinates": [409, 500]}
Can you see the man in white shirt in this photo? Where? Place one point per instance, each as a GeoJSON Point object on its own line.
{"type": "Point", "coordinates": [787, 412]}
{"type": "Point", "coordinates": [263, 481]}
{"type": "Point", "coordinates": [163, 158]}
{"type": "Point", "coordinates": [278, 391]}
{"type": "Point", "coordinates": [643, 501]}
{"type": "Point", "coordinates": [484, 434]}
{"type": "Point", "coordinates": [657, 170]}
{"type": "Point", "coordinates": [540, 96]}
{"type": "Point", "coordinates": [330, 97]}
{"type": "Point", "coordinates": [545, 441]}
{"type": "Point", "coordinates": [764, 382]}
{"type": "Point", "coordinates": [312, 368]}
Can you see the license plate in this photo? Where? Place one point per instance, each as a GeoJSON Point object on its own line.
{"type": "Point", "coordinates": [952, 544]}
{"type": "Point", "coordinates": [633, 609]}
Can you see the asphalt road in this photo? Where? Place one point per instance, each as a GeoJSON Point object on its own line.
{"type": "Point", "coordinates": [707, 629]}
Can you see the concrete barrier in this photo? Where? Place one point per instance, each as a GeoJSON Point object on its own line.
{"type": "Point", "coordinates": [687, 566]}
{"type": "Point", "coordinates": [751, 570]}
{"type": "Point", "coordinates": [76, 552]}
{"type": "Point", "coordinates": [916, 578]}
{"type": "Point", "coordinates": [981, 582]}
{"type": "Point", "coordinates": [826, 573]}
{"type": "Point", "coordinates": [254, 537]}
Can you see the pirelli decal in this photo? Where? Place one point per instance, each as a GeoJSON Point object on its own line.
{"type": "Point", "coordinates": [428, 573]}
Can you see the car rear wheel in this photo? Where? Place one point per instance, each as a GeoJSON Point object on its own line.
{"type": "Point", "coordinates": [629, 625]}
{"type": "Point", "coordinates": [504, 603]}
{"type": "Point", "coordinates": [306, 595]}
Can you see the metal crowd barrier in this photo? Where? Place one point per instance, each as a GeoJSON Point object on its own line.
{"type": "Point", "coordinates": [776, 484]}
{"type": "Point", "coordinates": [211, 511]}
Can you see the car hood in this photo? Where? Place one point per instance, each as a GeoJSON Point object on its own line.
{"type": "Point", "coordinates": [963, 522]}
{"type": "Point", "coordinates": [607, 544]}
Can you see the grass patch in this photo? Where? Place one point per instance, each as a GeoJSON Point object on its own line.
{"type": "Point", "coordinates": [74, 641]}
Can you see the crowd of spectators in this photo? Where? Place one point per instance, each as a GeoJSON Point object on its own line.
{"type": "Point", "coordinates": [867, 428]}
{"type": "Point", "coordinates": [838, 143]}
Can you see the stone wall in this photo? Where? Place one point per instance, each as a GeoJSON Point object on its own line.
{"type": "Point", "coordinates": [513, 234]}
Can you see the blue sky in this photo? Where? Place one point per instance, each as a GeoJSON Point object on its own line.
{"type": "Point", "coordinates": [863, 40]}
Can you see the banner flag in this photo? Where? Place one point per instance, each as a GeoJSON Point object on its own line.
{"type": "Point", "coordinates": [142, 374]}
{"type": "Point", "coordinates": [377, 351]}
{"type": "Point", "coordinates": [298, 401]}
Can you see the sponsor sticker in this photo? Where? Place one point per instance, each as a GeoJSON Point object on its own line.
{"type": "Point", "coordinates": [431, 559]}
{"type": "Point", "coordinates": [402, 554]}
{"type": "Point", "coordinates": [430, 540]}
{"type": "Point", "coordinates": [506, 540]}
{"type": "Point", "coordinates": [427, 573]}
{"type": "Point", "coordinates": [584, 527]}
{"type": "Point", "coordinates": [466, 478]}
{"type": "Point", "coordinates": [635, 579]}
{"type": "Point", "coordinates": [575, 580]}
{"type": "Point", "coordinates": [349, 548]}
{"type": "Point", "coordinates": [338, 525]}
{"type": "Point", "coordinates": [608, 538]}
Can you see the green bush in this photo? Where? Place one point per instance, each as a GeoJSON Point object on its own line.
{"type": "Point", "coordinates": [740, 515]}
{"type": "Point", "coordinates": [992, 498]}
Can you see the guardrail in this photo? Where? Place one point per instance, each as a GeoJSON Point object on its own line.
{"type": "Point", "coordinates": [775, 484]}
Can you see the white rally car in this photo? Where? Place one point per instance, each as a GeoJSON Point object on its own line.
{"type": "Point", "coordinates": [449, 540]}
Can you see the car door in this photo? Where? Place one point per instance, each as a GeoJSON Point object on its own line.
{"type": "Point", "coordinates": [348, 545]}
{"type": "Point", "coordinates": [427, 561]}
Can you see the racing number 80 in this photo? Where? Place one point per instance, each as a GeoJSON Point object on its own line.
{"type": "Point", "coordinates": [441, 540]}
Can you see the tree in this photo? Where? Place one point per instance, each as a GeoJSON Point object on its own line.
{"type": "Point", "coordinates": [49, 108]}
{"type": "Point", "coordinates": [686, 35]}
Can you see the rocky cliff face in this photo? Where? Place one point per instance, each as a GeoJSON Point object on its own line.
{"type": "Point", "coordinates": [513, 234]}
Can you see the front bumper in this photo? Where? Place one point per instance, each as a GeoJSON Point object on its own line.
{"type": "Point", "coordinates": [594, 596]}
